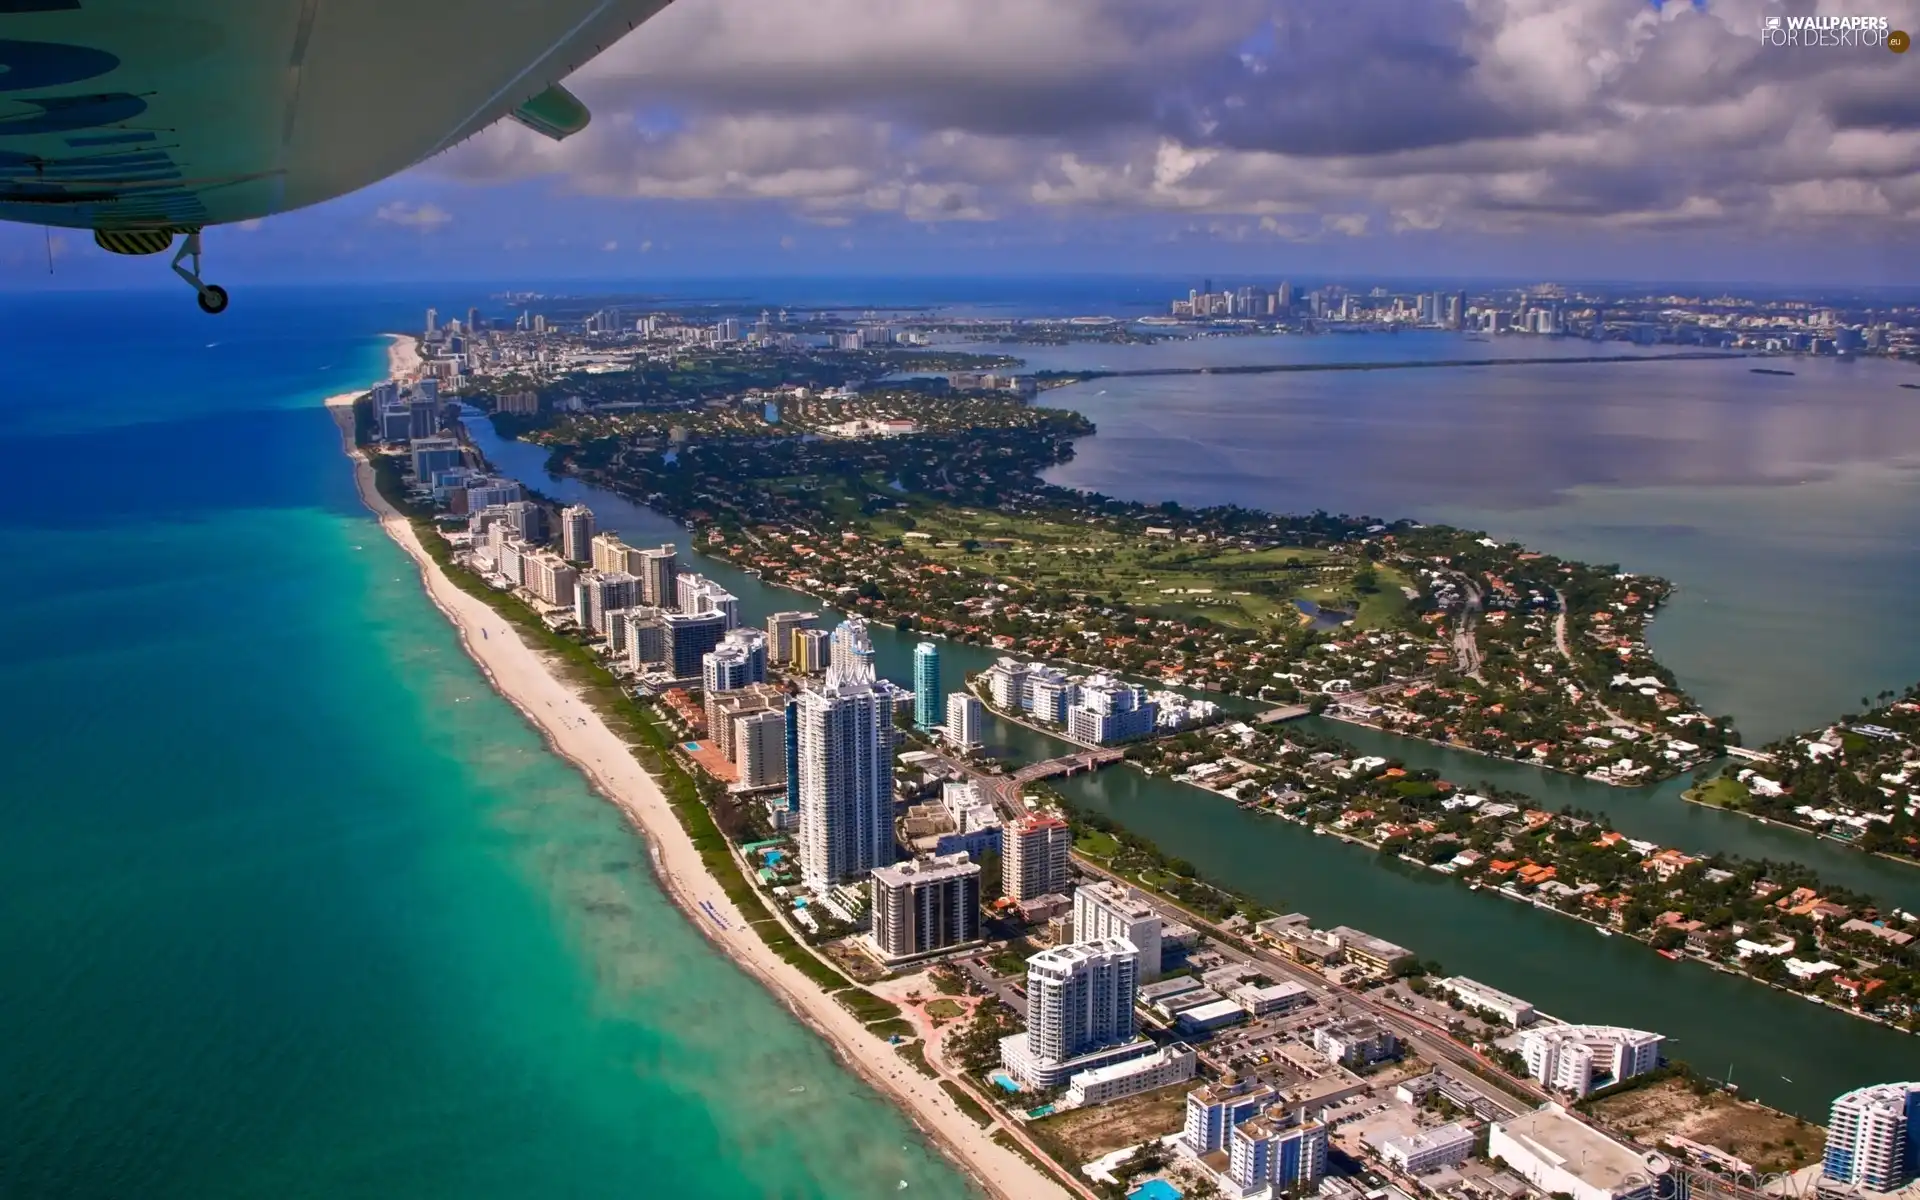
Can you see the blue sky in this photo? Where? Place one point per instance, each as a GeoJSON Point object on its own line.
{"type": "Point", "coordinates": [1584, 139]}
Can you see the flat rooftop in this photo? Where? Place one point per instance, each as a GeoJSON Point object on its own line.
{"type": "Point", "coordinates": [1561, 1140]}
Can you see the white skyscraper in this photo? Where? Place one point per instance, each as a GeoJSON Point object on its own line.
{"type": "Point", "coordinates": [1079, 1012]}
{"type": "Point", "coordinates": [576, 533]}
{"type": "Point", "coordinates": [845, 766]}
{"type": "Point", "coordinates": [966, 720]}
{"type": "Point", "coordinates": [1870, 1142]}
{"type": "Point", "coordinates": [1112, 910]}
{"type": "Point", "coordinates": [1036, 859]}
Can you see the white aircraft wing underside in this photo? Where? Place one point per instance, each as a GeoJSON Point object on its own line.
{"type": "Point", "coordinates": [141, 114]}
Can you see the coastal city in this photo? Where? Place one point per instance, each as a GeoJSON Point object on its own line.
{"type": "Point", "coordinates": [1125, 1026]}
{"type": "Point", "coordinates": [1089, 600]}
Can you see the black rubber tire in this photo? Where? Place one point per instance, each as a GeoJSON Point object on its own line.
{"type": "Point", "coordinates": [213, 299]}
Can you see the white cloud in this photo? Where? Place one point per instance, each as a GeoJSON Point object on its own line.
{"type": "Point", "coordinates": [424, 217]}
{"type": "Point", "coordinates": [1383, 117]}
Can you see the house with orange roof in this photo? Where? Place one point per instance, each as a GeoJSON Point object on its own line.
{"type": "Point", "coordinates": [1668, 863]}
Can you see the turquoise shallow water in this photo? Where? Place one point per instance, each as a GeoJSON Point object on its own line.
{"type": "Point", "coordinates": [293, 904]}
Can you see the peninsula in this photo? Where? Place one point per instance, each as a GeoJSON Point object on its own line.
{"type": "Point", "coordinates": [1856, 780]}
{"type": "Point", "coordinates": [574, 716]}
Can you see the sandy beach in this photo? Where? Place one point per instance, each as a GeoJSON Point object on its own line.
{"type": "Point", "coordinates": [575, 731]}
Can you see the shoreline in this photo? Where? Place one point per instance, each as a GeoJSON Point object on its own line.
{"type": "Point", "coordinates": [575, 731]}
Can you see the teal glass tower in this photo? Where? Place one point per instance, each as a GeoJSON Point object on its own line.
{"type": "Point", "coordinates": [926, 686]}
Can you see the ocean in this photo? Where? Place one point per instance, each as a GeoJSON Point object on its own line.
{"type": "Point", "coordinates": [294, 904]}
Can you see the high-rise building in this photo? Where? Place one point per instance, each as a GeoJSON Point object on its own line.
{"type": "Point", "coordinates": [812, 651]}
{"type": "Point", "coordinates": [551, 578]}
{"type": "Point", "coordinates": [1214, 1109]}
{"type": "Point", "coordinates": [688, 637]}
{"type": "Point", "coordinates": [609, 554]}
{"type": "Point", "coordinates": [646, 637]}
{"type": "Point", "coordinates": [1113, 910]}
{"type": "Point", "coordinates": [845, 766]}
{"type": "Point", "coordinates": [925, 906]}
{"type": "Point", "coordinates": [600, 594]}
{"type": "Point", "coordinates": [697, 593]}
{"type": "Point", "coordinates": [725, 708]}
{"type": "Point", "coordinates": [759, 747]}
{"type": "Point", "coordinates": [659, 573]}
{"type": "Point", "coordinates": [739, 659]}
{"type": "Point", "coordinates": [435, 454]}
{"type": "Point", "coordinates": [1036, 856]}
{"type": "Point", "coordinates": [1079, 1012]}
{"type": "Point", "coordinates": [433, 322]}
{"type": "Point", "coordinates": [1279, 1150]}
{"type": "Point", "coordinates": [1105, 710]}
{"type": "Point", "coordinates": [926, 686]}
{"type": "Point", "coordinates": [781, 627]}
{"type": "Point", "coordinates": [851, 650]}
{"type": "Point", "coordinates": [1871, 1140]}
{"type": "Point", "coordinates": [528, 519]}
{"type": "Point", "coordinates": [1579, 1058]}
{"type": "Point", "coordinates": [473, 319]}
{"type": "Point", "coordinates": [576, 534]}
{"type": "Point", "coordinates": [423, 418]}
{"type": "Point", "coordinates": [793, 758]}
{"type": "Point", "coordinates": [1284, 297]}
{"type": "Point", "coordinates": [966, 720]}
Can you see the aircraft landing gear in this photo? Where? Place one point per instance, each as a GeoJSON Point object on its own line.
{"type": "Point", "coordinates": [212, 297]}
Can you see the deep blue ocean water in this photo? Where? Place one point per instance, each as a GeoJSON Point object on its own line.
{"type": "Point", "coordinates": [290, 903]}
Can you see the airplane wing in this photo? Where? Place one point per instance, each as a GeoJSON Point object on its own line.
{"type": "Point", "coordinates": [141, 117]}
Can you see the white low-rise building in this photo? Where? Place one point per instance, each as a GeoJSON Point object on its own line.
{"type": "Point", "coordinates": [1556, 1153]}
{"type": "Point", "coordinates": [1474, 994]}
{"type": "Point", "coordinates": [1171, 1064]}
{"type": "Point", "coordinates": [1275, 998]}
{"type": "Point", "coordinates": [1578, 1058]}
{"type": "Point", "coordinates": [1429, 1149]}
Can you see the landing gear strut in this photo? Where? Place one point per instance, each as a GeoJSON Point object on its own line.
{"type": "Point", "coordinates": [212, 297]}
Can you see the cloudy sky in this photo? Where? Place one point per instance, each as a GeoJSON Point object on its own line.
{"type": "Point", "coordinates": [1517, 138]}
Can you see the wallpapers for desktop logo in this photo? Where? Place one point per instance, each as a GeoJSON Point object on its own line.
{"type": "Point", "coordinates": [1832, 32]}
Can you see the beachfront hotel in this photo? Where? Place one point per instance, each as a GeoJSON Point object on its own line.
{"type": "Point", "coordinates": [925, 906]}
{"type": "Point", "coordinates": [844, 729]}
{"type": "Point", "coordinates": [1079, 1013]}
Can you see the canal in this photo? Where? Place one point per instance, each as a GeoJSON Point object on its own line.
{"type": "Point", "coordinates": [1779, 1049]}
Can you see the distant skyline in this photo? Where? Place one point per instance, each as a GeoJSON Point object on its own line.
{"type": "Point", "coordinates": [1589, 139]}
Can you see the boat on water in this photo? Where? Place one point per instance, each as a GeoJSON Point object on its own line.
{"type": "Point", "coordinates": [1603, 932]}
{"type": "Point", "coordinates": [1768, 371]}
{"type": "Point", "coordinates": [1669, 955]}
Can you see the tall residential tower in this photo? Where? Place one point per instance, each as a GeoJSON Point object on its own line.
{"type": "Point", "coordinates": [845, 775]}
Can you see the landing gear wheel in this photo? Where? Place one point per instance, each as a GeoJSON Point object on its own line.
{"type": "Point", "coordinates": [212, 297]}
